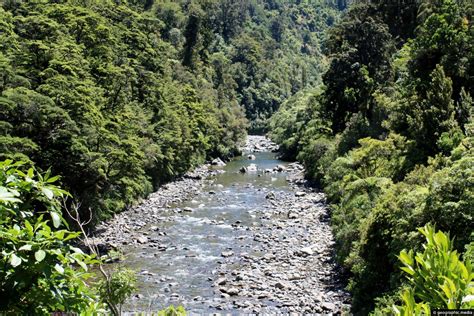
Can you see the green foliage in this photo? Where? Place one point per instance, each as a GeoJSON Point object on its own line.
{"type": "Point", "coordinates": [437, 277]}
{"type": "Point", "coordinates": [96, 84]}
{"type": "Point", "coordinates": [41, 272]}
{"type": "Point", "coordinates": [398, 154]}
{"type": "Point", "coordinates": [118, 287]}
{"type": "Point", "coordinates": [173, 311]}
{"type": "Point", "coordinates": [361, 47]}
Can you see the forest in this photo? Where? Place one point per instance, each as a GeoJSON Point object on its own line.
{"type": "Point", "coordinates": [389, 137]}
{"type": "Point", "coordinates": [104, 101]}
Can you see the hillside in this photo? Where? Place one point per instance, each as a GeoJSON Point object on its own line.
{"type": "Point", "coordinates": [120, 98]}
{"type": "Point", "coordinates": [389, 137]}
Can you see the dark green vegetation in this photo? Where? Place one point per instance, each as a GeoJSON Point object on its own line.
{"type": "Point", "coordinates": [390, 136]}
{"type": "Point", "coordinates": [118, 97]}
{"type": "Point", "coordinates": [40, 271]}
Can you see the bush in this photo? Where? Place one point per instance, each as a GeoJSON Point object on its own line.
{"type": "Point", "coordinates": [117, 287]}
{"type": "Point", "coordinates": [437, 277]}
{"type": "Point", "coordinates": [40, 271]}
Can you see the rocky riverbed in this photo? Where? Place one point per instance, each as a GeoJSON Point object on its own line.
{"type": "Point", "coordinates": [291, 269]}
{"type": "Point", "coordinates": [275, 257]}
{"type": "Point", "coordinates": [124, 228]}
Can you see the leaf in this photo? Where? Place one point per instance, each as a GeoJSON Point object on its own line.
{"type": "Point", "coordinates": [56, 219]}
{"type": "Point", "coordinates": [40, 255]}
{"type": "Point", "coordinates": [49, 194]}
{"type": "Point", "coordinates": [77, 250]}
{"type": "Point", "coordinates": [14, 260]}
{"type": "Point", "coordinates": [59, 268]}
{"type": "Point", "coordinates": [8, 196]}
{"type": "Point", "coordinates": [29, 228]}
{"type": "Point", "coordinates": [410, 271]}
{"type": "Point", "coordinates": [52, 179]}
{"type": "Point", "coordinates": [25, 247]}
{"type": "Point", "coordinates": [406, 258]}
{"type": "Point", "coordinates": [82, 264]}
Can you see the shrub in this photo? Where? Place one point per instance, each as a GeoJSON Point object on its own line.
{"type": "Point", "coordinates": [40, 271]}
{"type": "Point", "coordinates": [437, 277]}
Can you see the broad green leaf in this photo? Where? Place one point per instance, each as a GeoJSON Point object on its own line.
{"type": "Point", "coordinates": [49, 194]}
{"type": "Point", "coordinates": [14, 260]}
{"type": "Point", "coordinates": [77, 250]}
{"type": "Point", "coordinates": [7, 196]}
{"type": "Point", "coordinates": [29, 228]}
{"type": "Point", "coordinates": [40, 255]}
{"type": "Point", "coordinates": [25, 248]}
{"type": "Point", "coordinates": [56, 219]}
{"type": "Point", "coordinates": [59, 268]}
{"type": "Point", "coordinates": [82, 264]}
{"type": "Point", "coordinates": [52, 179]}
{"type": "Point", "coordinates": [406, 258]}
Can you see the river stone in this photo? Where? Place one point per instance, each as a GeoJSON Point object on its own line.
{"type": "Point", "coordinates": [300, 194]}
{"type": "Point", "coordinates": [226, 254]}
{"type": "Point", "coordinates": [221, 281]}
{"type": "Point", "coordinates": [252, 168]}
{"type": "Point", "coordinates": [251, 157]}
{"type": "Point", "coordinates": [280, 168]}
{"type": "Point", "coordinates": [306, 251]}
{"type": "Point", "coordinates": [281, 285]}
{"type": "Point", "coordinates": [142, 240]}
{"type": "Point", "coordinates": [292, 215]}
{"type": "Point", "coordinates": [233, 291]}
{"type": "Point", "coordinates": [329, 306]}
{"type": "Point", "coordinates": [218, 162]}
{"type": "Point", "coordinates": [270, 196]}
{"type": "Point", "coordinates": [188, 209]}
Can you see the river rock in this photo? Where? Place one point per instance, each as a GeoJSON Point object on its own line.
{"type": "Point", "coordinates": [292, 215]}
{"type": "Point", "coordinates": [281, 285]}
{"type": "Point", "coordinates": [270, 196]}
{"type": "Point", "coordinates": [221, 281]}
{"type": "Point", "coordinates": [252, 168]}
{"type": "Point", "coordinates": [218, 162]}
{"type": "Point", "coordinates": [300, 194]}
{"type": "Point", "coordinates": [188, 210]}
{"type": "Point", "coordinates": [142, 240]}
{"type": "Point", "coordinates": [227, 254]}
{"type": "Point", "coordinates": [280, 168]}
{"type": "Point", "coordinates": [329, 306]}
{"type": "Point", "coordinates": [232, 291]}
{"type": "Point", "coordinates": [306, 251]}
{"type": "Point", "coordinates": [251, 157]}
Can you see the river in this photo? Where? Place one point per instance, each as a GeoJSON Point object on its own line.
{"type": "Point", "coordinates": [210, 251]}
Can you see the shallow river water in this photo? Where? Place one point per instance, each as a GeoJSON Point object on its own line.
{"type": "Point", "coordinates": [214, 222]}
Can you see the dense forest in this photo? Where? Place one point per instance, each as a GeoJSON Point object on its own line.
{"type": "Point", "coordinates": [389, 136]}
{"type": "Point", "coordinates": [116, 98]}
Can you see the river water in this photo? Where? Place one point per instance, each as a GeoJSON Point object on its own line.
{"type": "Point", "coordinates": [216, 221]}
